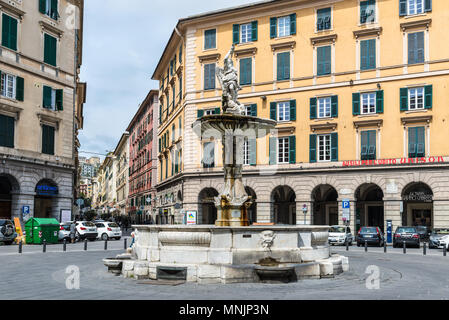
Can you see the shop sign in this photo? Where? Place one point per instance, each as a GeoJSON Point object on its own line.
{"type": "Point", "coordinates": [418, 196]}
{"type": "Point", "coordinates": [384, 162]}
{"type": "Point", "coordinates": [191, 217]}
{"type": "Point", "coordinates": [46, 190]}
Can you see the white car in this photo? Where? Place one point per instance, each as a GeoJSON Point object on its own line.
{"type": "Point", "coordinates": [86, 230]}
{"type": "Point", "coordinates": [340, 235]}
{"type": "Point", "coordinates": [108, 230]}
{"type": "Point", "coordinates": [443, 243]}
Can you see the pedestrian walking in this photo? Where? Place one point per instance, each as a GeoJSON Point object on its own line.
{"type": "Point", "coordinates": [72, 231]}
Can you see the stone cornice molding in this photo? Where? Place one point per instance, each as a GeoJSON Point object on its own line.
{"type": "Point", "coordinates": [416, 119]}
{"type": "Point", "coordinates": [368, 123]}
{"type": "Point", "coordinates": [367, 32]}
{"type": "Point", "coordinates": [48, 119]}
{"type": "Point", "coordinates": [11, 9]}
{"type": "Point", "coordinates": [8, 109]}
{"type": "Point", "coordinates": [284, 45]}
{"type": "Point", "coordinates": [46, 26]}
{"type": "Point", "coordinates": [324, 39]}
{"type": "Point", "coordinates": [416, 24]}
{"type": "Point", "coordinates": [248, 51]}
{"type": "Point", "coordinates": [288, 130]}
{"type": "Point", "coordinates": [323, 126]}
{"type": "Point", "coordinates": [209, 57]}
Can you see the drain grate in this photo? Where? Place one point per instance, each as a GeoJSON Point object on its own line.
{"type": "Point", "coordinates": [171, 273]}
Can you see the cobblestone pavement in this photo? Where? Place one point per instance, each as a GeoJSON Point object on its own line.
{"type": "Point", "coordinates": [37, 275]}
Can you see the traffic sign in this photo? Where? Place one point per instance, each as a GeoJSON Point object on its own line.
{"type": "Point", "coordinates": [346, 204]}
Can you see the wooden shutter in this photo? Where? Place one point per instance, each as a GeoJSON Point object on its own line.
{"type": "Point", "coordinates": [236, 33]}
{"type": "Point", "coordinates": [254, 31]}
{"type": "Point", "coordinates": [253, 110]}
{"type": "Point", "coordinates": [54, 9]}
{"type": "Point", "coordinates": [286, 65]}
{"type": "Point", "coordinates": [280, 68]}
{"type": "Point", "coordinates": [160, 145]}
{"type": "Point", "coordinates": [292, 149]}
{"type": "Point", "coordinates": [200, 113]}
{"type": "Point", "coordinates": [313, 102]}
{"type": "Point", "coordinates": [428, 91]}
{"type": "Point", "coordinates": [60, 99]}
{"type": "Point", "coordinates": [5, 30]}
{"type": "Point", "coordinates": [12, 34]}
{"type": "Point", "coordinates": [47, 97]}
{"type": "Point", "coordinates": [50, 50]}
{"type": "Point", "coordinates": [403, 99]}
{"type": "Point", "coordinates": [402, 8]}
{"type": "Point", "coordinates": [273, 150]}
{"type": "Point", "coordinates": [293, 24]}
{"type": "Point", "coordinates": [42, 6]}
{"type": "Point", "coordinates": [364, 54]}
{"type": "Point", "coordinates": [48, 140]}
{"type": "Point", "coordinates": [334, 106]}
{"type": "Point", "coordinates": [372, 53]}
{"type": "Point", "coordinates": [312, 148]}
{"type": "Point", "coordinates": [327, 59]}
{"type": "Point", "coordinates": [324, 60]}
{"type": "Point", "coordinates": [19, 89]}
{"type": "Point", "coordinates": [252, 145]}
{"type": "Point", "coordinates": [217, 111]}
{"type": "Point", "coordinates": [6, 131]}
{"type": "Point", "coordinates": [420, 142]}
{"type": "Point", "coordinates": [273, 111]}
{"type": "Point", "coordinates": [364, 145]}
{"type": "Point", "coordinates": [428, 5]}
{"type": "Point", "coordinates": [419, 47]}
{"type": "Point", "coordinates": [293, 110]}
{"type": "Point", "coordinates": [334, 146]}
{"type": "Point", "coordinates": [356, 104]}
{"type": "Point", "coordinates": [372, 144]}
{"type": "Point", "coordinates": [412, 142]}
{"type": "Point", "coordinates": [380, 101]}
{"type": "Point", "coordinates": [273, 27]}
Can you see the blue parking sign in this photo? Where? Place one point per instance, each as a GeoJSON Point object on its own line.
{"type": "Point", "coordinates": [25, 209]}
{"type": "Point", "coordinates": [346, 204]}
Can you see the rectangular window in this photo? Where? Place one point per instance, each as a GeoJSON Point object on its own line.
{"type": "Point", "coordinates": [209, 76]}
{"type": "Point", "coordinates": [48, 139]}
{"type": "Point", "coordinates": [284, 26]}
{"type": "Point", "coordinates": [6, 131]}
{"type": "Point", "coordinates": [416, 142]}
{"type": "Point", "coordinates": [210, 39]}
{"type": "Point", "coordinates": [324, 107]}
{"type": "Point", "coordinates": [209, 155]}
{"type": "Point", "coordinates": [368, 148]}
{"type": "Point", "coordinates": [415, 6]}
{"type": "Point", "coordinates": [246, 33]}
{"type": "Point", "coordinates": [283, 66]}
{"type": "Point", "coordinates": [368, 54]}
{"type": "Point", "coordinates": [368, 103]}
{"type": "Point", "coordinates": [53, 99]}
{"type": "Point", "coordinates": [8, 85]}
{"type": "Point", "coordinates": [246, 71]}
{"type": "Point", "coordinates": [416, 47]}
{"type": "Point", "coordinates": [9, 32]}
{"type": "Point", "coordinates": [50, 50]}
{"type": "Point", "coordinates": [416, 98]}
{"type": "Point", "coordinates": [367, 11]}
{"type": "Point", "coordinates": [323, 19]}
{"type": "Point", "coordinates": [324, 147]}
{"type": "Point", "coordinates": [246, 152]}
{"type": "Point", "coordinates": [283, 150]}
{"type": "Point", "coordinates": [324, 60]}
{"type": "Point", "coordinates": [49, 8]}
{"type": "Point", "coordinates": [284, 111]}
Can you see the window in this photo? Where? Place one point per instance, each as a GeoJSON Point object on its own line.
{"type": "Point", "coordinates": [208, 155]}
{"type": "Point", "coordinates": [323, 60]}
{"type": "Point", "coordinates": [368, 103]}
{"type": "Point", "coordinates": [284, 26]}
{"type": "Point", "coordinates": [209, 76]}
{"type": "Point", "coordinates": [9, 32]}
{"type": "Point", "coordinates": [324, 148]}
{"type": "Point", "coordinates": [246, 71]}
{"type": "Point", "coordinates": [368, 148]}
{"type": "Point", "coordinates": [412, 7]}
{"type": "Point", "coordinates": [415, 6]}
{"type": "Point", "coordinates": [53, 99]}
{"type": "Point", "coordinates": [368, 54]}
{"type": "Point", "coordinates": [416, 142]}
{"type": "Point", "coordinates": [416, 47]}
{"type": "Point", "coordinates": [6, 131]}
{"type": "Point", "coordinates": [50, 49]}
{"type": "Point", "coordinates": [245, 33]}
{"type": "Point", "coordinates": [323, 19]}
{"type": "Point", "coordinates": [246, 152]}
{"type": "Point", "coordinates": [8, 86]}
{"type": "Point", "coordinates": [416, 98]}
{"type": "Point", "coordinates": [48, 139]}
{"type": "Point", "coordinates": [284, 111]}
{"type": "Point", "coordinates": [251, 110]}
{"type": "Point", "coordinates": [324, 107]}
{"type": "Point", "coordinates": [49, 8]}
{"type": "Point", "coordinates": [210, 39]}
{"type": "Point", "coordinates": [283, 66]}
{"type": "Point", "coordinates": [367, 11]}
{"type": "Point", "coordinates": [283, 150]}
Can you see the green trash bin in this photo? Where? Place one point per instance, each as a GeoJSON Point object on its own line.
{"type": "Point", "coordinates": [40, 229]}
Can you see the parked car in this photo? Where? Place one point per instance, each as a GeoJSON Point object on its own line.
{"type": "Point", "coordinates": [7, 231]}
{"type": "Point", "coordinates": [443, 243]}
{"type": "Point", "coordinates": [64, 231]}
{"type": "Point", "coordinates": [424, 233]}
{"type": "Point", "coordinates": [340, 235]}
{"type": "Point", "coordinates": [372, 235]}
{"type": "Point", "coordinates": [408, 234]}
{"type": "Point", "coordinates": [107, 230]}
{"type": "Point", "coordinates": [86, 230]}
{"type": "Point", "coordinates": [436, 235]}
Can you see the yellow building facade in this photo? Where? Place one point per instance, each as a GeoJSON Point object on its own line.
{"type": "Point", "coordinates": [359, 92]}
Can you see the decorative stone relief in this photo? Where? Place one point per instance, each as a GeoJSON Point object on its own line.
{"type": "Point", "coordinates": [266, 239]}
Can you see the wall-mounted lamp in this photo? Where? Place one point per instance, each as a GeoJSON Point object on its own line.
{"type": "Point", "coordinates": [351, 82]}
{"type": "Point", "coordinates": [264, 98]}
{"type": "Point", "coordinates": [378, 86]}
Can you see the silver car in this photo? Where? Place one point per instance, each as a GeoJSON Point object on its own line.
{"type": "Point", "coordinates": [7, 231]}
{"type": "Point", "coordinates": [64, 231]}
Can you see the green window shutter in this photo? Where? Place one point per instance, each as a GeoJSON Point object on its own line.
{"type": "Point", "coordinates": [200, 113]}
{"type": "Point", "coordinates": [5, 30]}
{"type": "Point", "coordinates": [372, 144]}
{"type": "Point", "coordinates": [236, 33]}
{"type": "Point", "coordinates": [356, 104]}
{"type": "Point", "coordinates": [293, 24]}
{"type": "Point", "coordinates": [293, 110]}
{"type": "Point", "coordinates": [416, 47]}
{"type": "Point", "coordinates": [160, 145]}
{"type": "Point", "coordinates": [273, 111]}
{"type": "Point", "coordinates": [368, 54]}
{"type": "Point", "coordinates": [273, 27]}
{"type": "Point", "coordinates": [323, 60]}
{"type": "Point", "coordinates": [47, 97]}
{"type": "Point", "coordinates": [428, 91]}
{"type": "Point", "coordinates": [54, 9]}
{"type": "Point", "coordinates": [50, 50]}
{"type": "Point", "coordinates": [283, 66]}
{"type": "Point", "coordinates": [403, 101]}
{"type": "Point", "coordinates": [254, 110]}
{"type": "Point", "coordinates": [312, 148]}
{"type": "Point", "coordinates": [254, 31]}
{"type": "Point", "coordinates": [48, 140]}
{"type": "Point", "coordinates": [428, 6]}
{"type": "Point", "coordinates": [412, 142]}
{"type": "Point", "coordinates": [42, 6]}
{"type": "Point", "coordinates": [402, 8]}
{"type": "Point", "coordinates": [19, 89]}
{"type": "Point", "coordinates": [292, 149]}
{"type": "Point", "coordinates": [334, 147]}
{"type": "Point", "coordinates": [420, 142]}
{"type": "Point", "coordinates": [60, 99]}
{"type": "Point", "coordinates": [380, 101]}
{"type": "Point", "coordinates": [217, 111]}
{"type": "Point", "coordinates": [313, 102]}
{"type": "Point", "coordinates": [6, 131]}
{"type": "Point", "coordinates": [334, 106]}
{"type": "Point", "coordinates": [273, 150]}
{"type": "Point", "coordinates": [12, 34]}
{"type": "Point", "coordinates": [252, 144]}
{"type": "Point", "coordinates": [365, 145]}
{"type": "Point", "coordinates": [245, 71]}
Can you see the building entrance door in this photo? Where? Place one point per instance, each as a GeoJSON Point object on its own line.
{"type": "Point", "coordinates": [333, 216]}
{"type": "Point", "coordinates": [42, 207]}
{"type": "Point", "coordinates": [5, 198]}
{"type": "Point", "coordinates": [376, 216]}
{"type": "Point", "coordinates": [422, 217]}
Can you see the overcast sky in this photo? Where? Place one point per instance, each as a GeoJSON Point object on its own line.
{"type": "Point", "coordinates": [123, 41]}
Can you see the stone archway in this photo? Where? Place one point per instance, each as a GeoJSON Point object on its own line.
{"type": "Point", "coordinates": [369, 207]}
{"type": "Point", "coordinates": [206, 206]}
{"type": "Point", "coordinates": [44, 200]}
{"type": "Point", "coordinates": [325, 205]}
{"type": "Point", "coordinates": [252, 211]}
{"type": "Point", "coordinates": [417, 200]}
{"type": "Point", "coordinates": [283, 201]}
{"type": "Point", "coordinates": [8, 186]}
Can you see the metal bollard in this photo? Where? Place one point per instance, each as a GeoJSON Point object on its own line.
{"type": "Point", "coordinates": [405, 247]}
{"type": "Point", "coordinates": [64, 245]}
{"type": "Point", "coordinates": [105, 244]}
{"type": "Point", "coordinates": [20, 246]}
{"type": "Point", "coordinates": [347, 245]}
{"type": "Point", "coordinates": [125, 245]}
{"type": "Point", "coordinates": [85, 244]}
{"type": "Point", "coordinates": [366, 246]}
{"type": "Point", "coordinates": [424, 249]}
{"type": "Point", "coordinates": [44, 248]}
{"type": "Point", "coordinates": [385, 247]}
{"type": "Point", "coordinates": [444, 252]}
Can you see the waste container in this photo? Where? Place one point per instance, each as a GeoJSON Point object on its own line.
{"type": "Point", "coordinates": [40, 229]}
